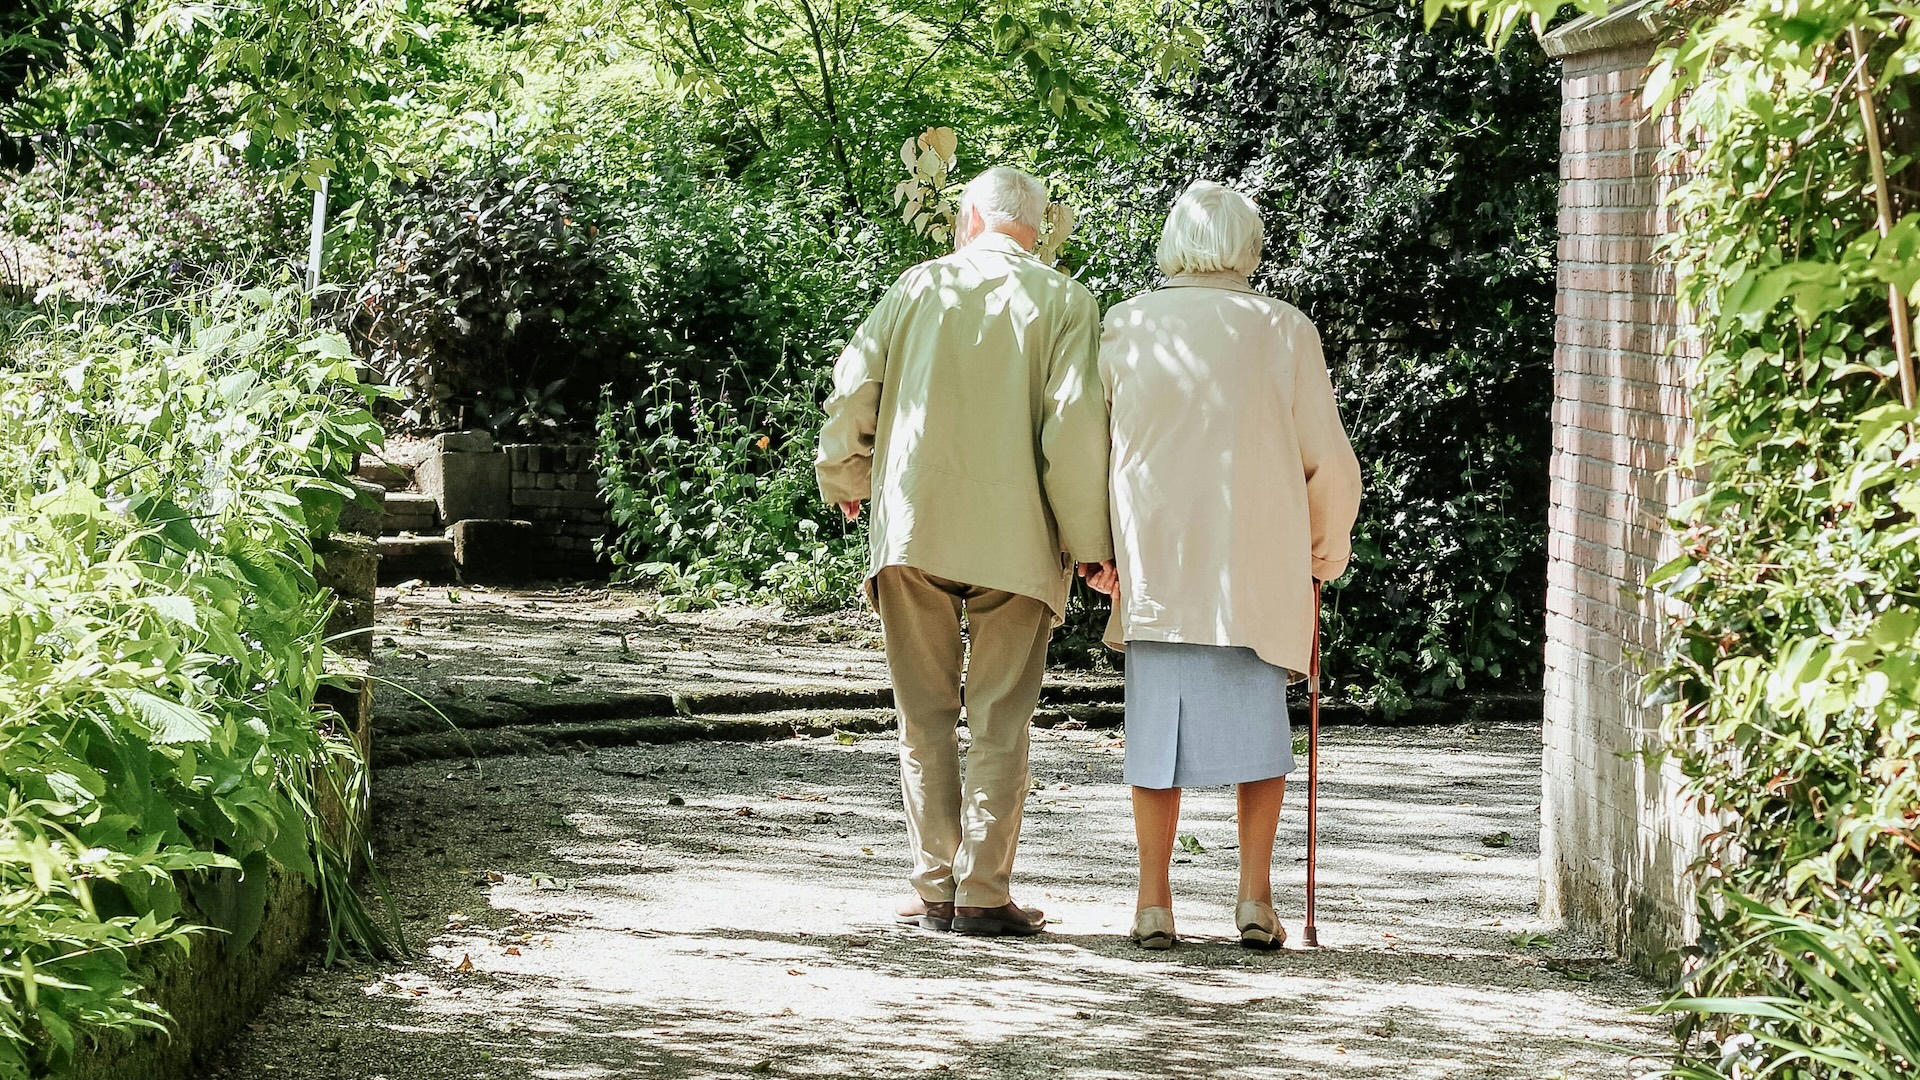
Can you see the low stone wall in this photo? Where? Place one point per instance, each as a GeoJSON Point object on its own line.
{"type": "Point", "coordinates": [217, 988]}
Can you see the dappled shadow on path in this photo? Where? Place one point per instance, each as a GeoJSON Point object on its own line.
{"type": "Point", "coordinates": [719, 911]}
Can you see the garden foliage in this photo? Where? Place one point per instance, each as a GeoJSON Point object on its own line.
{"type": "Point", "coordinates": [1797, 663]}
{"type": "Point", "coordinates": [1793, 672]}
{"type": "Point", "coordinates": [715, 499]}
{"type": "Point", "coordinates": [489, 288]}
{"type": "Point", "coordinates": [180, 220]}
{"type": "Point", "coordinates": [588, 196]}
{"type": "Point", "coordinates": [163, 479]}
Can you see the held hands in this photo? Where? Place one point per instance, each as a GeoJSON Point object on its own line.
{"type": "Point", "coordinates": [1101, 577]}
{"type": "Point", "coordinates": [850, 510]}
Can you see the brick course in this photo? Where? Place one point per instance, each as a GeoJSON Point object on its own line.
{"type": "Point", "coordinates": [1615, 840]}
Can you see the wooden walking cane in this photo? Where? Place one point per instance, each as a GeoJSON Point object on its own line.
{"type": "Point", "coordinates": [1310, 934]}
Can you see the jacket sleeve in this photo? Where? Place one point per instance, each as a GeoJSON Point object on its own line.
{"type": "Point", "coordinates": [1074, 441]}
{"type": "Point", "coordinates": [1333, 473]}
{"type": "Point", "coordinates": [844, 463]}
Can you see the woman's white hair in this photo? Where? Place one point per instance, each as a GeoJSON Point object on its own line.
{"type": "Point", "coordinates": [1212, 230]}
{"type": "Point", "coordinates": [1006, 196]}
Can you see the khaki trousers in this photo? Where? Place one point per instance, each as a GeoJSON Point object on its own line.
{"type": "Point", "coordinates": [963, 829]}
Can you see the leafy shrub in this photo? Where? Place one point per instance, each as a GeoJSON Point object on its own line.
{"type": "Point", "coordinates": [162, 479]}
{"type": "Point", "coordinates": [487, 282]}
{"type": "Point", "coordinates": [728, 280]}
{"type": "Point", "coordinates": [714, 502]}
{"type": "Point", "coordinates": [1408, 183]}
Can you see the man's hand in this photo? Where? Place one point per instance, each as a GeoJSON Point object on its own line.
{"type": "Point", "coordinates": [1101, 577]}
{"type": "Point", "coordinates": [850, 510]}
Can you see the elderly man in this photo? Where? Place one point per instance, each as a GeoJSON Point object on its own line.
{"type": "Point", "coordinates": [969, 408]}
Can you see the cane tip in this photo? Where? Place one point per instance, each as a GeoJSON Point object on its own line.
{"type": "Point", "coordinates": [1310, 937]}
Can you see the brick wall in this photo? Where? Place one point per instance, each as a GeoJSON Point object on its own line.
{"type": "Point", "coordinates": [556, 488]}
{"type": "Point", "coordinates": [1615, 840]}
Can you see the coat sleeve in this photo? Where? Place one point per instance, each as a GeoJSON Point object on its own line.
{"type": "Point", "coordinates": [844, 464]}
{"type": "Point", "coordinates": [1073, 434]}
{"type": "Point", "coordinates": [1333, 473]}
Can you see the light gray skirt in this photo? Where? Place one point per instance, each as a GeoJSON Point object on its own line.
{"type": "Point", "coordinates": [1204, 714]}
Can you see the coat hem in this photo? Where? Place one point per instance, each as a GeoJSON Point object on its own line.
{"type": "Point", "coordinates": [1296, 671]}
{"type": "Point", "coordinates": [1056, 608]}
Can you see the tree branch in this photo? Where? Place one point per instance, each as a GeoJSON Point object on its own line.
{"type": "Point", "coordinates": [1883, 208]}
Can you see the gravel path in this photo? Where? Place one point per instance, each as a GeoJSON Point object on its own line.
{"type": "Point", "coordinates": [720, 910]}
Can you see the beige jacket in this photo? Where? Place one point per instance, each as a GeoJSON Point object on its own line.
{"type": "Point", "coordinates": [968, 409]}
{"type": "Point", "coordinates": [1234, 485]}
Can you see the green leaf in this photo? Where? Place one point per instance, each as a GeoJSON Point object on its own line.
{"type": "Point", "coordinates": [175, 609]}
{"type": "Point", "coordinates": [169, 722]}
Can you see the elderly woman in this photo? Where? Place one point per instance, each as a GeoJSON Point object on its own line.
{"type": "Point", "coordinates": [1234, 490]}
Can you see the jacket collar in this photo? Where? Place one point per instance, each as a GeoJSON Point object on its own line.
{"type": "Point", "coordinates": [998, 241]}
{"type": "Point", "coordinates": [1225, 279]}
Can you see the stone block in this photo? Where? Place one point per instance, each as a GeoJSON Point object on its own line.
{"type": "Point", "coordinates": [363, 514]}
{"type": "Point", "coordinates": [350, 566]}
{"type": "Point", "coordinates": [348, 691]}
{"type": "Point", "coordinates": [464, 442]}
{"type": "Point", "coordinates": [411, 511]}
{"type": "Point", "coordinates": [350, 626]}
{"type": "Point", "coordinates": [429, 558]}
{"type": "Point", "coordinates": [538, 499]}
{"type": "Point", "coordinates": [466, 485]}
{"type": "Point", "coordinates": [546, 481]}
{"type": "Point", "coordinates": [387, 475]}
{"type": "Point", "coordinates": [498, 549]}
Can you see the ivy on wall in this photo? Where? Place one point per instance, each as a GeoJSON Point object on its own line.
{"type": "Point", "coordinates": [1792, 683]}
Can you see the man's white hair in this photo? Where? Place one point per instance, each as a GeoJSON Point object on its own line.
{"type": "Point", "coordinates": [1212, 230]}
{"type": "Point", "coordinates": [1006, 196]}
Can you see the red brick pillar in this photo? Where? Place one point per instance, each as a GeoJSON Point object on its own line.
{"type": "Point", "coordinates": [1615, 840]}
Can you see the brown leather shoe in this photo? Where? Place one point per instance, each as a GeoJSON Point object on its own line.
{"type": "Point", "coordinates": [927, 914]}
{"type": "Point", "coordinates": [1008, 919]}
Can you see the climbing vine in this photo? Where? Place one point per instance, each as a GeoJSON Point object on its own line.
{"type": "Point", "coordinates": [1792, 679]}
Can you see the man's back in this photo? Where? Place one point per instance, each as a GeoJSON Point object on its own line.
{"type": "Point", "coordinates": [973, 388]}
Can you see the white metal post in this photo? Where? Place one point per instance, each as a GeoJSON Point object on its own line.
{"type": "Point", "coordinates": [319, 235]}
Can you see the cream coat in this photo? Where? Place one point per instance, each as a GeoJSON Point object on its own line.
{"type": "Point", "coordinates": [1234, 485]}
{"type": "Point", "coordinates": [968, 409]}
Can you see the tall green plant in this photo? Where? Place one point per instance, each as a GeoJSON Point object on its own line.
{"type": "Point", "coordinates": [1852, 989]}
{"type": "Point", "coordinates": [162, 478]}
{"type": "Point", "coordinates": [713, 500]}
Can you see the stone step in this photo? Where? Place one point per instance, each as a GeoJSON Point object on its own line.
{"type": "Point", "coordinates": [387, 475]}
{"type": "Point", "coordinates": [428, 558]}
{"type": "Point", "coordinates": [411, 511]}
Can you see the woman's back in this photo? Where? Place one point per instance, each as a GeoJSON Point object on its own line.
{"type": "Point", "coordinates": [1223, 418]}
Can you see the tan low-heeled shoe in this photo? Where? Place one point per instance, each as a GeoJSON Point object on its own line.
{"type": "Point", "coordinates": [1259, 927]}
{"type": "Point", "coordinates": [1153, 928]}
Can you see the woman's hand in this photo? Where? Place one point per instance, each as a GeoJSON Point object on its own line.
{"type": "Point", "coordinates": [850, 510]}
{"type": "Point", "coordinates": [1101, 577]}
